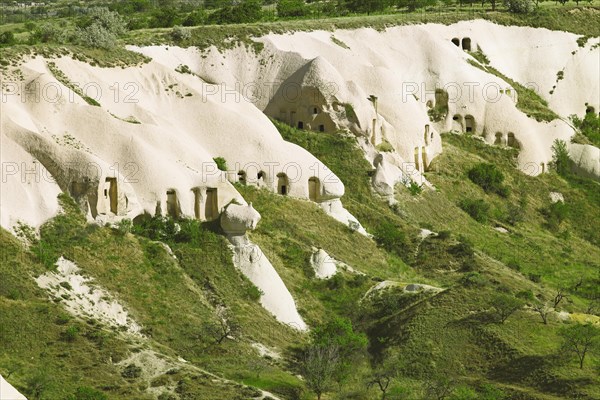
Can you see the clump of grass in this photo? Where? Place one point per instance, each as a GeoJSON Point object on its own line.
{"type": "Point", "coordinates": [339, 43]}
{"type": "Point", "coordinates": [62, 78]}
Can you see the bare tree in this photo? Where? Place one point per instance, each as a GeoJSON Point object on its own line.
{"type": "Point", "coordinates": [579, 339]}
{"type": "Point", "coordinates": [319, 367]}
{"type": "Point", "coordinates": [384, 373]}
{"type": "Point", "coordinates": [224, 327]}
{"type": "Point", "coordinates": [543, 309]}
{"type": "Point", "coordinates": [439, 388]}
{"type": "Point", "coordinates": [561, 294]}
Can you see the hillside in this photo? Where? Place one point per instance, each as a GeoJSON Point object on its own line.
{"type": "Point", "coordinates": [303, 211]}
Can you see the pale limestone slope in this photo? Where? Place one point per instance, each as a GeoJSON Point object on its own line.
{"type": "Point", "coordinates": [402, 67]}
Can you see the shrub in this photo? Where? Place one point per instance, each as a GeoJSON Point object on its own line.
{"type": "Point", "coordinates": [180, 34]}
{"type": "Point", "coordinates": [555, 214]}
{"type": "Point", "coordinates": [7, 38]}
{"type": "Point", "coordinates": [414, 188]}
{"type": "Point", "coordinates": [195, 18]}
{"type": "Point", "coordinates": [489, 177]}
{"type": "Point", "coordinates": [124, 226]}
{"type": "Point", "coordinates": [589, 126]}
{"type": "Point", "coordinates": [47, 33]}
{"type": "Point", "coordinates": [474, 279]}
{"type": "Point", "coordinates": [560, 157]}
{"type": "Point", "coordinates": [87, 393]}
{"type": "Point", "coordinates": [519, 6]}
{"type": "Point", "coordinates": [131, 371]}
{"type": "Point", "coordinates": [244, 12]}
{"type": "Point", "coordinates": [391, 238]}
{"type": "Point", "coordinates": [292, 8]}
{"type": "Point", "coordinates": [101, 28]}
{"type": "Point", "coordinates": [221, 163]}
{"type": "Point", "coordinates": [70, 334]}
{"type": "Point", "coordinates": [477, 209]}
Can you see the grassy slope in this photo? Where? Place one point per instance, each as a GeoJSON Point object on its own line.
{"type": "Point", "coordinates": [522, 357]}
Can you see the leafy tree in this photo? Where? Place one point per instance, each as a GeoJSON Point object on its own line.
{"type": "Point", "coordinates": [292, 8]}
{"type": "Point", "coordinates": [350, 345]}
{"type": "Point", "coordinates": [519, 6]}
{"type": "Point", "coordinates": [579, 339]}
{"type": "Point", "coordinates": [560, 157]}
{"type": "Point", "coordinates": [589, 125]}
{"type": "Point", "coordinates": [413, 5]}
{"type": "Point", "coordinates": [244, 12]}
{"type": "Point", "coordinates": [505, 305]}
{"type": "Point", "coordinates": [101, 28]}
{"type": "Point", "coordinates": [319, 367]}
{"type": "Point", "coordinates": [543, 310]}
{"type": "Point", "coordinates": [166, 17]}
{"type": "Point", "coordinates": [7, 38]}
{"type": "Point", "coordinates": [366, 6]}
{"type": "Point", "coordinates": [384, 373]}
{"type": "Point", "coordinates": [197, 17]}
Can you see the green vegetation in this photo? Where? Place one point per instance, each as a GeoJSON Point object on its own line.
{"type": "Point", "coordinates": [588, 126]}
{"type": "Point", "coordinates": [62, 78]}
{"type": "Point", "coordinates": [528, 101]}
{"type": "Point", "coordinates": [221, 163]}
{"type": "Point", "coordinates": [489, 177]}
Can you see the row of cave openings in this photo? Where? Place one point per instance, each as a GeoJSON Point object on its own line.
{"type": "Point", "coordinates": [467, 124]}
{"type": "Point", "coordinates": [464, 43]}
{"type": "Point", "coordinates": [283, 184]}
{"type": "Point", "coordinates": [314, 110]}
{"type": "Point", "coordinates": [206, 201]}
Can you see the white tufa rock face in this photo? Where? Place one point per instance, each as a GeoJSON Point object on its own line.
{"type": "Point", "coordinates": [83, 299]}
{"type": "Point", "coordinates": [237, 219]}
{"type": "Point", "coordinates": [556, 197]}
{"type": "Point", "coordinates": [324, 265]}
{"type": "Point", "coordinates": [8, 392]}
{"type": "Point", "coordinates": [390, 77]}
{"type": "Point", "coordinates": [275, 298]}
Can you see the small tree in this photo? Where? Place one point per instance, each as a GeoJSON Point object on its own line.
{"type": "Point", "coordinates": [101, 28]}
{"type": "Point", "coordinates": [519, 6]}
{"type": "Point", "coordinates": [579, 339]}
{"type": "Point", "coordinates": [224, 327]}
{"type": "Point", "coordinates": [543, 310]}
{"type": "Point", "coordinates": [505, 305]}
{"type": "Point", "coordinates": [560, 295]}
{"type": "Point", "coordinates": [560, 157]}
{"type": "Point", "coordinates": [319, 367]}
{"type": "Point", "coordinates": [384, 373]}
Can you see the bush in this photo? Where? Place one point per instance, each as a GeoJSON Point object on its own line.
{"type": "Point", "coordinates": [7, 38]}
{"type": "Point", "coordinates": [555, 214]}
{"type": "Point", "coordinates": [195, 18]}
{"type": "Point", "coordinates": [47, 33]}
{"type": "Point", "coordinates": [477, 209]}
{"type": "Point", "coordinates": [124, 226]}
{"type": "Point", "coordinates": [247, 11]}
{"type": "Point", "coordinates": [414, 188]}
{"type": "Point", "coordinates": [101, 28]}
{"type": "Point", "coordinates": [519, 6]}
{"type": "Point", "coordinates": [221, 163]}
{"type": "Point", "coordinates": [560, 157]}
{"type": "Point", "coordinates": [474, 279]}
{"type": "Point", "coordinates": [87, 393]}
{"type": "Point", "coordinates": [489, 177]}
{"type": "Point", "coordinates": [70, 334]}
{"type": "Point", "coordinates": [179, 34]}
{"type": "Point", "coordinates": [292, 8]}
{"type": "Point", "coordinates": [589, 126]}
{"type": "Point", "coordinates": [131, 371]}
{"type": "Point", "coordinates": [391, 238]}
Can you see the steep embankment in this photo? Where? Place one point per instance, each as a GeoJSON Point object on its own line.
{"type": "Point", "coordinates": [164, 309]}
